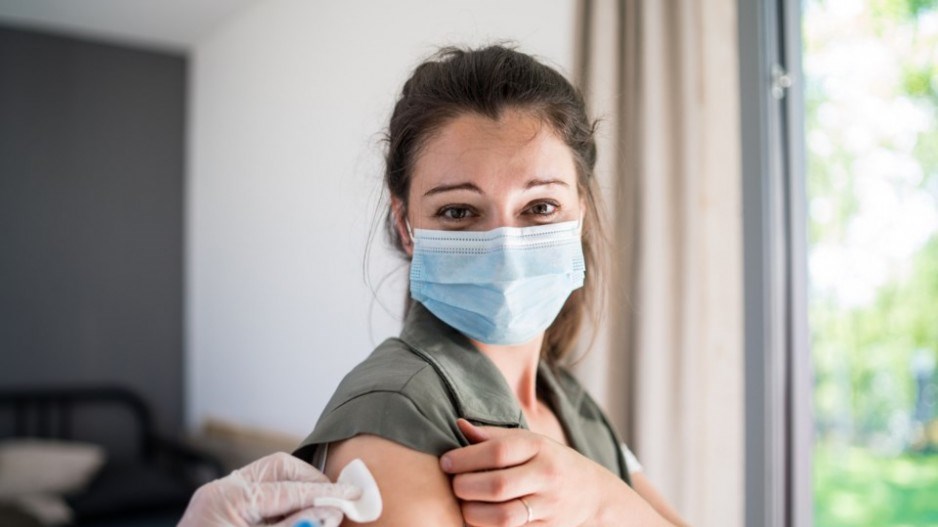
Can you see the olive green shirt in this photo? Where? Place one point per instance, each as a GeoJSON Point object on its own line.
{"type": "Point", "coordinates": [412, 389]}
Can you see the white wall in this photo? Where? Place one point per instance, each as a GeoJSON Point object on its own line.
{"type": "Point", "coordinates": [288, 102]}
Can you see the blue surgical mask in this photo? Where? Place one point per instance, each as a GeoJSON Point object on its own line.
{"type": "Point", "coordinates": [502, 286]}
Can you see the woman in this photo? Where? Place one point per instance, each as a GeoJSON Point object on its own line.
{"type": "Point", "coordinates": [469, 416]}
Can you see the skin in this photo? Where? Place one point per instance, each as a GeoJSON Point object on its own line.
{"type": "Point", "coordinates": [479, 174]}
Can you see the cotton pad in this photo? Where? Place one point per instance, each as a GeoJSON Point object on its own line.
{"type": "Point", "coordinates": [367, 508]}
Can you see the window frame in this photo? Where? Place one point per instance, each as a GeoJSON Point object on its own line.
{"type": "Point", "coordinates": [778, 373]}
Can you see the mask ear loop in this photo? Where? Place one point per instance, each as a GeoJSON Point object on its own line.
{"type": "Point", "coordinates": [410, 232]}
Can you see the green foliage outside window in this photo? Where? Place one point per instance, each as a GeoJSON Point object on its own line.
{"type": "Point", "coordinates": [871, 98]}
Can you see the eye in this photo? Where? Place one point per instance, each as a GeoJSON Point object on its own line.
{"type": "Point", "coordinates": [543, 208]}
{"type": "Point", "coordinates": [454, 212]}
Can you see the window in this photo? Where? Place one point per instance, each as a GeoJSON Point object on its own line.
{"type": "Point", "coordinates": [840, 165]}
{"type": "Point", "coordinates": [871, 137]}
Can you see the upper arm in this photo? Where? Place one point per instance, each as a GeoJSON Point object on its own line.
{"type": "Point", "coordinates": [649, 493]}
{"type": "Point", "coordinates": [414, 490]}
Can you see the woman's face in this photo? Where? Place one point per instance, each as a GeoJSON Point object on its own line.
{"type": "Point", "coordinates": [477, 174]}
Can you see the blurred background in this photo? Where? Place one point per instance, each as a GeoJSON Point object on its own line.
{"type": "Point", "coordinates": [192, 250]}
{"type": "Point", "coordinates": [871, 103]}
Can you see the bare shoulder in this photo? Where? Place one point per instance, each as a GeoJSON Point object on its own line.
{"type": "Point", "coordinates": [414, 489]}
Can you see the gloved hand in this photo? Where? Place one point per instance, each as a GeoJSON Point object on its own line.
{"type": "Point", "coordinates": [275, 490]}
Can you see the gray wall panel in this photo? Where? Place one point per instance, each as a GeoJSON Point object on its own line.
{"type": "Point", "coordinates": [91, 211]}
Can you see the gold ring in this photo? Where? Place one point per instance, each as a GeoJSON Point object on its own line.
{"type": "Point", "coordinates": [528, 509]}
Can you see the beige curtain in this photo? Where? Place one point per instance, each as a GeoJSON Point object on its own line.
{"type": "Point", "coordinates": [662, 76]}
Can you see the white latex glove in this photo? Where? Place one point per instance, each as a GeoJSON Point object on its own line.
{"type": "Point", "coordinates": [275, 490]}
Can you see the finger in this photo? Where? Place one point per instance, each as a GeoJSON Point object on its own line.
{"type": "Point", "coordinates": [503, 452]}
{"type": "Point", "coordinates": [281, 466]}
{"type": "Point", "coordinates": [475, 434]}
{"type": "Point", "coordinates": [272, 499]}
{"type": "Point", "coordinates": [496, 486]}
{"type": "Point", "coordinates": [511, 513]}
{"type": "Point", "coordinates": [317, 517]}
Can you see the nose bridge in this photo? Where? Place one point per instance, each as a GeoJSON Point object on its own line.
{"type": "Point", "coordinates": [498, 214]}
{"type": "Point", "coordinates": [505, 216]}
{"type": "Point", "coordinates": [504, 211]}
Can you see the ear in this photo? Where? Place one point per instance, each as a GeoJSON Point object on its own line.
{"type": "Point", "coordinates": [397, 212]}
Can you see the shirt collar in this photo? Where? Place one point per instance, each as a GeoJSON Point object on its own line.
{"type": "Point", "coordinates": [479, 389]}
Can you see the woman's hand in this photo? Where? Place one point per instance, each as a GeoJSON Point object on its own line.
{"type": "Point", "coordinates": [275, 488]}
{"type": "Point", "coordinates": [514, 477]}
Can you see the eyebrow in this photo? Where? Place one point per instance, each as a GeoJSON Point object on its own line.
{"type": "Point", "coordinates": [458, 186]}
{"type": "Point", "coordinates": [473, 188]}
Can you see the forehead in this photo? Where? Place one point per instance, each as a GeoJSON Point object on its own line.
{"type": "Point", "coordinates": [513, 149]}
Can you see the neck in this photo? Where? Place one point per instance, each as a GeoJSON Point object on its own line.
{"type": "Point", "coordinates": [518, 364]}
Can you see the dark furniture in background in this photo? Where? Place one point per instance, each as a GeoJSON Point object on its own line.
{"type": "Point", "coordinates": [145, 475]}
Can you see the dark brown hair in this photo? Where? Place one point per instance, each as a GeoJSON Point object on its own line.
{"type": "Point", "coordinates": [488, 81]}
